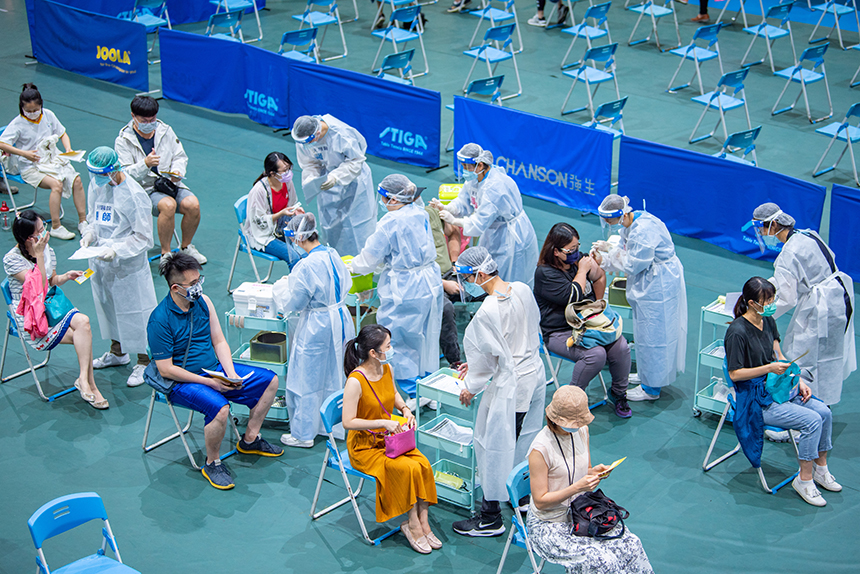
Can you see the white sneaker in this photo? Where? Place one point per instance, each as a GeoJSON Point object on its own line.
{"type": "Point", "coordinates": [536, 21]}
{"type": "Point", "coordinates": [825, 480]}
{"type": "Point", "coordinates": [639, 394]}
{"type": "Point", "coordinates": [192, 251]}
{"type": "Point", "coordinates": [111, 360]}
{"type": "Point", "coordinates": [633, 378]}
{"type": "Point", "coordinates": [808, 492]}
{"type": "Point", "coordinates": [425, 402]}
{"type": "Point", "coordinates": [780, 436]}
{"type": "Point", "coordinates": [289, 440]}
{"type": "Point", "coordinates": [62, 233]}
{"type": "Point", "coordinates": [136, 377]}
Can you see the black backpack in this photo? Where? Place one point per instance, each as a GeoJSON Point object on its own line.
{"type": "Point", "coordinates": [594, 514]}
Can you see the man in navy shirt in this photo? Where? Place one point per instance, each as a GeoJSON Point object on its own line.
{"type": "Point", "coordinates": [187, 313]}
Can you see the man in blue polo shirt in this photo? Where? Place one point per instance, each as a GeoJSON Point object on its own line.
{"type": "Point", "coordinates": [185, 313]}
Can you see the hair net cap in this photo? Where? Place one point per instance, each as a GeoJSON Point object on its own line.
{"type": "Point", "coordinates": [614, 206]}
{"type": "Point", "coordinates": [103, 160]}
{"type": "Point", "coordinates": [771, 212]}
{"type": "Point", "coordinates": [305, 129]}
{"type": "Point", "coordinates": [485, 157]}
{"type": "Point", "coordinates": [469, 153]}
{"type": "Point", "coordinates": [301, 227]}
{"type": "Point", "coordinates": [476, 259]}
{"type": "Point", "coordinates": [400, 188]}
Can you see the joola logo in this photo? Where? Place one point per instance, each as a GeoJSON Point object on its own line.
{"type": "Point", "coordinates": [261, 101]}
{"type": "Point", "coordinates": [403, 140]}
{"type": "Point", "coordinates": [112, 55]}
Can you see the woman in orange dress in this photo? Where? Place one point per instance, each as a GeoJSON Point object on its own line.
{"type": "Point", "coordinates": [404, 484]}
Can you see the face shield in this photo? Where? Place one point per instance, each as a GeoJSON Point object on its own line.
{"type": "Point", "coordinates": [761, 231]}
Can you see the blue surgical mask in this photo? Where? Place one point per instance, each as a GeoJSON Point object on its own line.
{"type": "Point", "coordinates": [147, 127]}
{"type": "Point", "coordinates": [770, 241]}
{"type": "Point", "coordinates": [570, 430]}
{"type": "Point", "coordinates": [470, 175]}
{"type": "Point", "coordinates": [388, 355]}
{"type": "Point", "coordinates": [383, 203]}
{"type": "Point", "coordinates": [573, 258]}
{"type": "Point", "coordinates": [768, 310]}
{"type": "Point", "coordinates": [473, 289]}
{"type": "Point", "coordinates": [100, 179]}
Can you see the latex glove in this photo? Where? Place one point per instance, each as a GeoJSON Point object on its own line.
{"type": "Point", "coordinates": [329, 183]}
{"type": "Point", "coordinates": [88, 238]}
{"type": "Point", "coordinates": [436, 204]}
{"type": "Point", "coordinates": [449, 217]}
{"type": "Point", "coordinates": [349, 268]}
{"type": "Point", "coordinates": [604, 246]}
{"type": "Point", "coordinates": [108, 255]}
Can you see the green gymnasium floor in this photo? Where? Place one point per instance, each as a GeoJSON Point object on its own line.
{"type": "Point", "coordinates": [168, 519]}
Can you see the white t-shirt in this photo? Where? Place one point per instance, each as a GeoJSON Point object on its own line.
{"type": "Point", "coordinates": [575, 453]}
{"type": "Point", "coordinates": [26, 135]}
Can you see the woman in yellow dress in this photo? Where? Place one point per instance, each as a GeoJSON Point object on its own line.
{"type": "Point", "coordinates": [404, 484]}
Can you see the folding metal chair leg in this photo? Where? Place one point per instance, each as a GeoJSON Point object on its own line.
{"type": "Point", "coordinates": [507, 543]}
{"type": "Point", "coordinates": [569, 92]}
{"type": "Point", "coordinates": [180, 430]}
{"type": "Point", "coordinates": [448, 146]}
{"type": "Point", "coordinates": [775, 111]}
{"type": "Point", "coordinates": [816, 172]}
{"type": "Point", "coordinates": [706, 466]}
{"type": "Point", "coordinates": [32, 368]}
{"type": "Point", "coordinates": [233, 266]}
{"type": "Point", "coordinates": [851, 85]}
{"type": "Point", "coordinates": [741, 12]}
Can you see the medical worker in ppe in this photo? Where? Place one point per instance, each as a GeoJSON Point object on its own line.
{"type": "Point", "coordinates": [655, 290]}
{"type": "Point", "coordinates": [502, 345]}
{"type": "Point", "coordinates": [315, 290]}
{"type": "Point", "coordinates": [821, 332]}
{"type": "Point", "coordinates": [490, 206]}
{"type": "Point", "coordinates": [120, 224]}
{"type": "Point", "coordinates": [410, 285]}
{"type": "Point", "coordinates": [335, 171]}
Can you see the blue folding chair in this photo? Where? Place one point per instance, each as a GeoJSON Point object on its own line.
{"type": "Point", "coordinates": [740, 141]}
{"type": "Point", "coordinates": [837, 10]}
{"type": "Point", "coordinates": [153, 15]}
{"type": "Point", "coordinates": [806, 76]}
{"type": "Point", "coordinates": [410, 19]}
{"type": "Point", "coordinates": [771, 34]}
{"type": "Point", "coordinates": [608, 113]}
{"type": "Point", "coordinates": [597, 15]}
{"type": "Point", "coordinates": [854, 77]}
{"type": "Point", "coordinates": [592, 76]}
{"type": "Point", "coordinates": [317, 19]}
{"type": "Point", "coordinates": [241, 209]}
{"type": "Point", "coordinates": [741, 12]}
{"type": "Point", "coordinates": [65, 513]}
{"type": "Point", "coordinates": [519, 485]}
{"type": "Point", "coordinates": [721, 100]}
{"type": "Point", "coordinates": [554, 369]}
{"type": "Point", "coordinates": [7, 177]}
{"type": "Point", "coordinates": [297, 38]}
{"type": "Point", "coordinates": [655, 13]}
{"type": "Point", "coordinates": [400, 61]}
{"type": "Point", "coordinates": [697, 55]}
{"type": "Point", "coordinates": [487, 52]}
{"type": "Point", "coordinates": [393, 4]}
{"type": "Point", "coordinates": [15, 330]}
{"type": "Point", "coordinates": [497, 16]}
{"type": "Point", "coordinates": [331, 412]}
{"type": "Point", "coordinates": [243, 5]}
{"type": "Point", "coordinates": [730, 405]}
{"type": "Point", "coordinates": [232, 21]}
{"type": "Point", "coordinates": [842, 131]}
{"type": "Point", "coordinates": [489, 87]}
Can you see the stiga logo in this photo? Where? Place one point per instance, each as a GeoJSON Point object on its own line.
{"type": "Point", "coordinates": [111, 57]}
{"type": "Point", "coordinates": [403, 140]}
{"type": "Point", "coordinates": [261, 103]}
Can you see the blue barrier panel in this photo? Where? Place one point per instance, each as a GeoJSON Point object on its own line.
{"type": "Point", "coordinates": [401, 123]}
{"type": "Point", "coordinates": [566, 164]}
{"type": "Point", "coordinates": [94, 45]}
{"type": "Point", "coordinates": [180, 11]}
{"type": "Point", "coordinates": [203, 71]}
{"type": "Point", "coordinates": [845, 228]}
{"type": "Point", "coordinates": [267, 87]}
{"type": "Point", "coordinates": [708, 198]}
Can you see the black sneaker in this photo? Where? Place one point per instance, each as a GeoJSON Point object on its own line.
{"type": "Point", "coordinates": [259, 446]}
{"type": "Point", "coordinates": [218, 475]}
{"type": "Point", "coordinates": [622, 408]}
{"type": "Point", "coordinates": [477, 527]}
{"type": "Point", "coordinates": [562, 15]}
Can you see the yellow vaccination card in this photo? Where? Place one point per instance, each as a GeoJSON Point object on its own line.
{"type": "Point", "coordinates": [611, 466]}
{"type": "Point", "coordinates": [87, 274]}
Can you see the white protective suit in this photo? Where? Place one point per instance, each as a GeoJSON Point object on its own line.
{"type": "Point", "coordinates": [807, 278]}
{"type": "Point", "coordinates": [347, 211]}
{"type": "Point", "coordinates": [122, 289]}
{"type": "Point", "coordinates": [492, 369]}
{"type": "Point", "coordinates": [316, 289]}
{"type": "Point", "coordinates": [167, 146]}
{"type": "Point", "coordinates": [410, 289]}
{"type": "Point", "coordinates": [657, 295]}
{"type": "Point", "coordinates": [493, 211]}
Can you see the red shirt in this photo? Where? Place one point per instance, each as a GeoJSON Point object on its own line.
{"type": "Point", "coordinates": [280, 198]}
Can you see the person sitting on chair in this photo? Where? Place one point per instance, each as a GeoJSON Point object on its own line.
{"type": "Point", "coordinates": [753, 354]}
{"type": "Point", "coordinates": [186, 340]}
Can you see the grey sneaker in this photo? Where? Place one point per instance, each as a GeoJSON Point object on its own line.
{"type": "Point", "coordinates": [259, 446]}
{"type": "Point", "coordinates": [218, 475]}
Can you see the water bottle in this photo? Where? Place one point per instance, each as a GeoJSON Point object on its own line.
{"type": "Point", "coordinates": [7, 223]}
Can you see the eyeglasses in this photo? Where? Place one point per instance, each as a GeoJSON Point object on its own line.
{"type": "Point", "coordinates": [569, 251]}
{"type": "Point", "coordinates": [198, 281]}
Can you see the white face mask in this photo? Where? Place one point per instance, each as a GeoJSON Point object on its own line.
{"type": "Point", "coordinates": [33, 115]}
{"type": "Point", "coordinates": [388, 355]}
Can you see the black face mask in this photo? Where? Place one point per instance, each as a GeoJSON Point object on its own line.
{"type": "Point", "coordinates": [573, 258]}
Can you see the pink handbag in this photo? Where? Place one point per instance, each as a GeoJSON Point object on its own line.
{"type": "Point", "coordinates": [395, 444]}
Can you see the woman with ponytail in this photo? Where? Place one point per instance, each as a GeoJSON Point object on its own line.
{"type": "Point", "coordinates": [404, 484]}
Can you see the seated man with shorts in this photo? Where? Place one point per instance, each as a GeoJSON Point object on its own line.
{"type": "Point", "coordinates": [148, 148]}
{"type": "Point", "coordinates": [188, 314]}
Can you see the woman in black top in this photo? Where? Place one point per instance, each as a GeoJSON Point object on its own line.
{"type": "Point", "coordinates": [752, 354]}
{"type": "Point", "coordinates": [562, 268]}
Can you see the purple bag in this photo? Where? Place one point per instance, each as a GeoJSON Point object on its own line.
{"type": "Point", "coordinates": [395, 444]}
